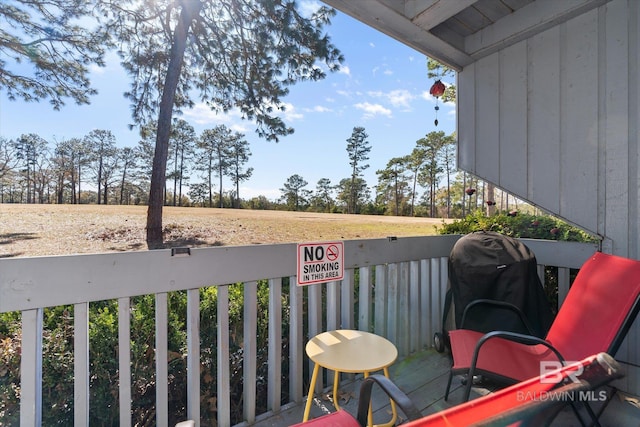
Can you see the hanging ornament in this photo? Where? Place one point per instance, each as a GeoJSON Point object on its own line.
{"type": "Point", "coordinates": [437, 90]}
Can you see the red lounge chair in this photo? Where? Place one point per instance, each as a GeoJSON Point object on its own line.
{"type": "Point", "coordinates": [595, 317]}
{"type": "Point", "coordinates": [532, 402]}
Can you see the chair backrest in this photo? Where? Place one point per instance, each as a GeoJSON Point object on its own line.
{"type": "Point", "coordinates": [599, 308]}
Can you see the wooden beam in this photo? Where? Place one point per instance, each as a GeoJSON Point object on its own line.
{"type": "Point", "coordinates": [524, 23]}
{"type": "Point", "coordinates": [393, 23]}
{"type": "Point", "coordinates": [439, 12]}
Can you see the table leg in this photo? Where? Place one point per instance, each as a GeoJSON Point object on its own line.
{"type": "Point", "coordinates": [336, 392]}
{"type": "Point", "coordinates": [370, 415]}
{"type": "Point", "coordinates": [312, 386]}
{"type": "Point", "coordinates": [394, 412]}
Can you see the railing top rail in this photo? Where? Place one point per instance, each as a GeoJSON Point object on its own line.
{"type": "Point", "coordinates": [27, 283]}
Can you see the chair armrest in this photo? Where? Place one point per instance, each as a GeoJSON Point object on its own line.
{"type": "Point", "coordinates": [499, 304]}
{"type": "Point", "coordinates": [394, 393]}
{"type": "Point", "coordinates": [513, 336]}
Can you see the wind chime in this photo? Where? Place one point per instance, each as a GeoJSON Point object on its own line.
{"type": "Point", "coordinates": [437, 90]}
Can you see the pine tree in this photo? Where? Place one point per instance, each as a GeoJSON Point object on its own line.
{"type": "Point", "coordinates": [358, 149]}
{"type": "Point", "coordinates": [233, 54]}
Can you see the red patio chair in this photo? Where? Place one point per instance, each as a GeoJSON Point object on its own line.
{"type": "Point", "coordinates": [533, 402]}
{"type": "Point", "coordinates": [595, 317]}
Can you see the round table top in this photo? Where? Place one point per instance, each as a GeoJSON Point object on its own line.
{"type": "Point", "coordinates": [352, 351]}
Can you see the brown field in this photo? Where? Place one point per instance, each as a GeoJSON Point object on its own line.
{"type": "Point", "coordinates": [35, 230]}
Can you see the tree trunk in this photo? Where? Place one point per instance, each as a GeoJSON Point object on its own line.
{"type": "Point", "coordinates": [159, 171]}
{"type": "Point", "coordinates": [220, 193]}
{"type": "Point", "coordinates": [99, 178]}
{"type": "Point", "coordinates": [491, 196]}
{"type": "Point", "coordinates": [124, 175]}
{"type": "Point", "coordinates": [79, 189]}
{"type": "Point", "coordinates": [237, 192]}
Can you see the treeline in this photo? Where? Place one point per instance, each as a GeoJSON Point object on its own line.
{"type": "Point", "coordinates": [94, 170]}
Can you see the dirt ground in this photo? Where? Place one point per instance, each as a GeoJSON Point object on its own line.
{"type": "Point", "coordinates": [37, 230]}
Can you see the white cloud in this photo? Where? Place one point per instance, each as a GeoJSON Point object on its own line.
{"type": "Point", "coordinates": [372, 110]}
{"type": "Point", "coordinates": [95, 69]}
{"type": "Point", "coordinates": [397, 98]}
{"type": "Point", "coordinates": [400, 98]}
{"type": "Point", "coordinates": [319, 109]}
{"type": "Point", "coordinates": [203, 115]}
{"type": "Point", "coordinates": [344, 69]}
{"type": "Point", "coordinates": [290, 113]}
{"type": "Point", "coordinates": [427, 96]}
{"type": "Point", "coordinates": [308, 7]}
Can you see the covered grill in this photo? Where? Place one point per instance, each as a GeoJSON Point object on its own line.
{"type": "Point", "coordinates": [494, 285]}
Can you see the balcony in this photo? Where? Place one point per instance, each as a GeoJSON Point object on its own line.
{"type": "Point", "coordinates": [392, 287]}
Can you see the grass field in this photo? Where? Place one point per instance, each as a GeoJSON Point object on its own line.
{"type": "Point", "coordinates": [35, 230]}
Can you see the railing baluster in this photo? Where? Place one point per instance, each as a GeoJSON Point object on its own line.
{"type": "Point", "coordinates": [31, 369]}
{"type": "Point", "coordinates": [427, 326]}
{"type": "Point", "coordinates": [296, 340]}
{"type": "Point", "coordinates": [333, 314]}
{"type": "Point", "coordinates": [249, 352]}
{"type": "Point", "coordinates": [346, 300]}
{"type": "Point", "coordinates": [223, 400]}
{"type": "Point", "coordinates": [124, 360]}
{"type": "Point", "coordinates": [436, 291]}
{"type": "Point", "coordinates": [403, 314]}
{"type": "Point", "coordinates": [333, 305]}
{"type": "Point", "coordinates": [81, 364]}
{"type": "Point", "coordinates": [443, 277]}
{"type": "Point", "coordinates": [193, 355]}
{"type": "Point", "coordinates": [314, 296]}
{"type": "Point", "coordinates": [380, 298]}
{"type": "Point", "coordinates": [415, 336]}
{"type": "Point", "coordinates": [564, 281]}
{"type": "Point", "coordinates": [393, 304]}
{"type": "Point", "coordinates": [162, 360]}
{"type": "Point", "coordinates": [364, 299]}
{"type": "Point", "coordinates": [274, 390]}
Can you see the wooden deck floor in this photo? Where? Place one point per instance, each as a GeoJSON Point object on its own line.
{"type": "Point", "coordinates": [423, 376]}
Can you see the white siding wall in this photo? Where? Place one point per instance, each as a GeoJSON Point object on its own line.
{"type": "Point", "coordinates": [554, 120]}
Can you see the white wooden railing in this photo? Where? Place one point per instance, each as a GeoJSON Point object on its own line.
{"type": "Point", "coordinates": [400, 293]}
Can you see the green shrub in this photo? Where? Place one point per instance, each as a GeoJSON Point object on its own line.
{"type": "Point", "coordinates": [520, 225]}
{"type": "Point", "coordinates": [103, 352]}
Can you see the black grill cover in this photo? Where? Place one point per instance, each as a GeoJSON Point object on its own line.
{"type": "Point", "coordinates": [489, 265]}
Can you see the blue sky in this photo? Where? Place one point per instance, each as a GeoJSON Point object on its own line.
{"type": "Point", "coordinates": [382, 86]}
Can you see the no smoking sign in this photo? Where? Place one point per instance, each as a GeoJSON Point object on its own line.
{"type": "Point", "coordinates": [320, 262]}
